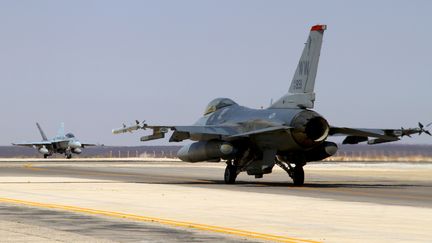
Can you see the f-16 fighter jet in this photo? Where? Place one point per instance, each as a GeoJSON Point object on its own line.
{"type": "Point", "coordinates": [62, 143]}
{"type": "Point", "coordinates": [288, 133]}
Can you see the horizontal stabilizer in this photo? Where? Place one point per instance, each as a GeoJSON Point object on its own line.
{"type": "Point", "coordinates": [358, 135]}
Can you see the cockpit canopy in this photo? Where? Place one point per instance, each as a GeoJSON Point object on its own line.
{"type": "Point", "coordinates": [217, 104]}
{"type": "Point", "coordinates": [69, 135]}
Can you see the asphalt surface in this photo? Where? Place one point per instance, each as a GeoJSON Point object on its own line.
{"type": "Point", "coordinates": [405, 185]}
{"type": "Point", "coordinates": [381, 184]}
{"type": "Point", "coordinates": [103, 229]}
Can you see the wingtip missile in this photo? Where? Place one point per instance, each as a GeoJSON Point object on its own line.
{"type": "Point", "coordinates": [423, 130]}
{"type": "Point", "coordinates": [125, 129]}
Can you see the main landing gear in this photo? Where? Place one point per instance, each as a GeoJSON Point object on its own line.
{"type": "Point", "coordinates": [230, 173]}
{"type": "Point", "coordinates": [296, 172]}
{"type": "Point", "coordinates": [298, 175]}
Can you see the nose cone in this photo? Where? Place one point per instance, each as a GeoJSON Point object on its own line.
{"type": "Point", "coordinates": [183, 153]}
{"type": "Point", "coordinates": [74, 144]}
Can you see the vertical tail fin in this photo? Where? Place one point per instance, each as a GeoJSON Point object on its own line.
{"type": "Point", "coordinates": [301, 92]}
{"type": "Point", "coordinates": [60, 131]}
{"type": "Point", "coordinates": [44, 137]}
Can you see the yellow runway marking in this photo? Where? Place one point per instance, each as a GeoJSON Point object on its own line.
{"type": "Point", "coordinates": [30, 167]}
{"type": "Point", "coordinates": [204, 227]}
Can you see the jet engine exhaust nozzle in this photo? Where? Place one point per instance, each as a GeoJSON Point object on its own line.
{"type": "Point", "coordinates": [317, 129]}
{"type": "Point", "coordinates": [310, 129]}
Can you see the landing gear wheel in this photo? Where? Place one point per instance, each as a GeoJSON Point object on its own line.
{"type": "Point", "coordinates": [69, 156]}
{"type": "Point", "coordinates": [298, 175]}
{"type": "Point", "coordinates": [230, 173]}
{"type": "Point", "coordinates": [45, 156]}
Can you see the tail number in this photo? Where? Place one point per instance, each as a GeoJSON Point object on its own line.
{"type": "Point", "coordinates": [298, 84]}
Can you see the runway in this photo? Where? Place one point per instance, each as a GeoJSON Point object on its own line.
{"type": "Point", "coordinates": [339, 202]}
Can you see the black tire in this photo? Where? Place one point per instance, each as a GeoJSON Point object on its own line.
{"type": "Point", "coordinates": [69, 156]}
{"type": "Point", "coordinates": [298, 175]}
{"type": "Point", "coordinates": [45, 156]}
{"type": "Point", "coordinates": [230, 174]}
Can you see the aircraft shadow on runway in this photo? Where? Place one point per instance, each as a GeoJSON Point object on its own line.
{"type": "Point", "coordinates": [287, 184]}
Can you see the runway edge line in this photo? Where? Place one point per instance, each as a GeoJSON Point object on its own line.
{"type": "Point", "coordinates": [169, 222]}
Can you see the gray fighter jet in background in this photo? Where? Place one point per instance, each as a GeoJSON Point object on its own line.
{"type": "Point", "coordinates": [288, 133]}
{"type": "Point", "coordinates": [62, 143]}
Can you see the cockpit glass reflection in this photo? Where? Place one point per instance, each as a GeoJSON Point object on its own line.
{"type": "Point", "coordinates": [217, 104]}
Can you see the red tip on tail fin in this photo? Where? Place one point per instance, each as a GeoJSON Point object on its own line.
{"type": "Point", "coordinates": [319, 27]}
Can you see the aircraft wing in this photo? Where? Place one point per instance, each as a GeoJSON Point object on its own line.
{"type": "Point", "coordinates": [199, 132]}
{"type": "Point", "coordinates": [193, 132]}
{"type": "Point", "coordinates": [357, 135]}
{"type": "Point", "coordinates": [65, 142]}
{"type": "Point", "coordinates": [32, 144]}
{"type": "Point", "coordinates": [181, 133]}
{"type": "Point", "coordinates": [260, 131]}
{"type": "Point", "coordinates": [208, 132]}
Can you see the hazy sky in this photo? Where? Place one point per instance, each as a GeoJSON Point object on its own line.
{"type": "Point", "coordinates": [97, 64]}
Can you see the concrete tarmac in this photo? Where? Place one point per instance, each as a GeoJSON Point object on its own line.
{"type": "Point", "coordinates": [29, 224]}
{"type": "Point", "coordinates": [339, 202]}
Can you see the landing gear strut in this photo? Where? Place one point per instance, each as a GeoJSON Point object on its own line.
{"type": "Point", "coordinates": [230, 173]}
{"type": "Point", "coordinates": [295, 172]}
{"type": "Point", "coordinates": [298, 175]}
